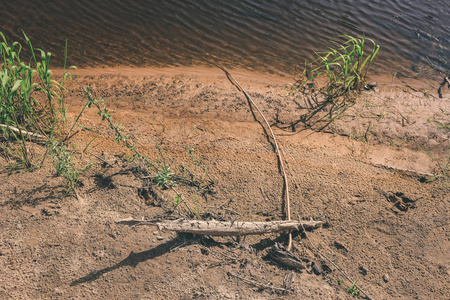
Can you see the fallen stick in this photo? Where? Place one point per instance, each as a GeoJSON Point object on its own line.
{"type": "Point", "coordinates": [32, 134]}
{"type": "Point", "coordinates": [218, 228]}
{"type": "Point", "coordinates": [257, 284]}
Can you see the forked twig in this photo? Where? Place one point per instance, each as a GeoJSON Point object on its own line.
{"type": "Point", "coordinates": [283, 171]}
{"type": "Point", "coordinates": [277, 148]}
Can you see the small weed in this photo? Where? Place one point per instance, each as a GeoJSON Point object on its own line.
{"type": "Point", "coordinates": [164, 178]}
{"type": "Point", "coordinates": [63, 162]}
{"type": "Point", "coordinates": [197, 208]}
{"type": "Point", "coordinates": [178, 200]}
{"type": "Point", "coordinates": [442, 169]}
{"type": "Point", "coordinates": [352, 290]}
{"type": "Point", "coordinates": [194, 171]}
{"type": "Point", "coordinates": [365, 150]}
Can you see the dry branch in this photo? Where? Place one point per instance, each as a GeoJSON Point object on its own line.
{"type": "Point", "coordinates": [218, 228]}
{"type": "Point", "coordinates": [31, 134]}
{"type": "Point", "coordinates": [283, 171]}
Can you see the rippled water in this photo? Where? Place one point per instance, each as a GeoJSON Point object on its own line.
{"type": "Point", "coordinates": [264, 35]}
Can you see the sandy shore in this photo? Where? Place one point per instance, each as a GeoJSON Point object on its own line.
{"type": "Point", "coordinates": [398, 123]}
{"type": "Point", "coordinates": [365, 176]}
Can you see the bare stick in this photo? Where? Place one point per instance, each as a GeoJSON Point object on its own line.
{"type": "Point", "coordinates": [98, 157]}
{"type": "Point", "coordinates": [226, 228]}
{"type": "Point", "coordinates": [277, 149]}
{"type": "Point", "coordinates": [15, 129]}
{"type": "Point", "coordinates": [257, 284]}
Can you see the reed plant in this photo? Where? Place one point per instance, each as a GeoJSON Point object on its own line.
{"type": "Point", "coordinates": [328, 84]}
{"type": "Point", "coordinates": [32, 109]}
{"type": "Point", "coordinates": [31, 101]}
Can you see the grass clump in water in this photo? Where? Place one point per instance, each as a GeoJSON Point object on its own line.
{"type": "Point", "coordinates": [329, 83]}
{"type": "Point", "coordinates": [345, 67]}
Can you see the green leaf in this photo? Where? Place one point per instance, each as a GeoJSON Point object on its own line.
{"type": "Point", "coordinates": [5, 78]}
{"type": "Point", "coordinates": [16, 86]}
{"type": "Point", "coordinates": [30, 46]}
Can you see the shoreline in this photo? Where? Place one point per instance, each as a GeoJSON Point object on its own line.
{"type": "Point", "coordinates": [204, 72]}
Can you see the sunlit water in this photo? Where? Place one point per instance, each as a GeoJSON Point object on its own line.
{"type": "Point", "coordinates": [268, 35]}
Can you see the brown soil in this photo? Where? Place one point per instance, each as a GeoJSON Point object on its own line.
{"type": "Point", "coordinates": [365, 177]}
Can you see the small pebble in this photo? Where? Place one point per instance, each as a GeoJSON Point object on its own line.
{"type": "Point", "coordinates": [370, 86]}
{"type": "Point", "coordinates": [155, 232]}
{"type": "Point", "coordinates": [386, 277]}
{"type": "Point", "coordinates": [159, 238]}
{"type": "Point", "coordinates": [317, 269]}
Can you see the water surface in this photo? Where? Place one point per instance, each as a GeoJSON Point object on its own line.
{"type": "Point", "coordinates": [275, 36]}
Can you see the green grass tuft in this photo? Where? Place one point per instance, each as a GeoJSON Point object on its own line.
{"type": "Point", "coordinates": [345, 67]}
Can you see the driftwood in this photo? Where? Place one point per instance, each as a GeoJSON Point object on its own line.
{"type": "Point", "coordinates": [31, 134]}
{"type": "Point", "coordinates": [218, 228]}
